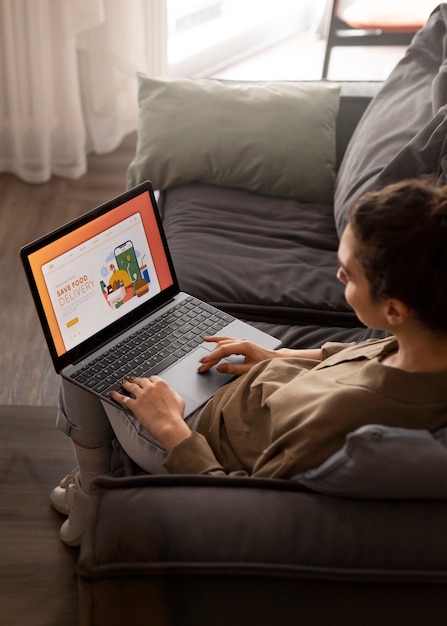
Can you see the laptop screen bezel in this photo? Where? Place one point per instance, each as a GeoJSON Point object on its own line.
{"type": "Point", "coordinates": [102, 337]}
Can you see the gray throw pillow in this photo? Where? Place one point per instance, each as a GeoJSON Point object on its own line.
{"type": "Point", "coordinates": [403, 132]}
{"type": "Point", "coordinates": [272, 138]}
{"type": "Point", "coordinates": [384, 463]}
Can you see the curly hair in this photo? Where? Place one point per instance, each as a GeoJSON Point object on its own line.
{"type": "Point", "coordinates": [402, 236]}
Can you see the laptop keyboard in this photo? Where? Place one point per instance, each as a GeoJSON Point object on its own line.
{"type": "Point", "coordinates": [155, 346]}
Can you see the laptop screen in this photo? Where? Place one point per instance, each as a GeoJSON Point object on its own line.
{"type": "Point", "coordinates": [99, 269]}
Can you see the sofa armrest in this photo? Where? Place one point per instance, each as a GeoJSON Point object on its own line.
{"type": "Point", "coordinates": [208, 550]}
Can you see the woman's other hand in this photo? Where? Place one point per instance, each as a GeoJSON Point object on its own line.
{"type": "Point", "coordinates": [229, 347]}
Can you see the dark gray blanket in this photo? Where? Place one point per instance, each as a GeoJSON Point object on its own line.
{"type": "Point", "coordinates": [403, 133]}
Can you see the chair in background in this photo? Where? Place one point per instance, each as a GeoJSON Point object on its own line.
{"type": "Point", "coordinates": [374, 23]}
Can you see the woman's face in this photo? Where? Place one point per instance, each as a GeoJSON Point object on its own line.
{"type": "Point", "coordinates": [357, 288]}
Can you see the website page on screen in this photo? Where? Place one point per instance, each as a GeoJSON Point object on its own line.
{"type": "Point", "coordinates": [100, 280]}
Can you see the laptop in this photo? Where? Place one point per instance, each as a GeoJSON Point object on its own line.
{"type": "Point", "coordinates": [110, 306]}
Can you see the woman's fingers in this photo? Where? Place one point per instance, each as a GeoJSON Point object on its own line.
{"type": "Point", "coordinates": [133, 385]}
{"type": "Point", "coordinates": [227, 347]}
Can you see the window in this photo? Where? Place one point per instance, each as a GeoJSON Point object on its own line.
{"type": "Point", "coordinates": [205, 36]}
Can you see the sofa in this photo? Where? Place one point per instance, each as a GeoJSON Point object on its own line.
{"type": "Point", "coordinates": [255, 181]}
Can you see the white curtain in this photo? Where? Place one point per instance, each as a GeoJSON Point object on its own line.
{"type": "Point", "coordinates": [68, 79]}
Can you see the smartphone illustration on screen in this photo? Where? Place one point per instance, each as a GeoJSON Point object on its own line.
{"type": "Point", "coordinates": [126, 259]}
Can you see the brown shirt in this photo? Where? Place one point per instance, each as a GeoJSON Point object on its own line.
{"type": "Point", "coordinates": [288, 415]}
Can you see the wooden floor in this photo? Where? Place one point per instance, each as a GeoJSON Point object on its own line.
{"type": "Point", "coordinates": [26, 212]}
{"type": "Point", "coordinates": [38, 584]}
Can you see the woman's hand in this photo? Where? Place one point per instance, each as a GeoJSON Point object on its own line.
{"type": "Point", "coordinates": [227, 347]}
{"type": "Point", "coordinates": [157, 407]}
{"type": "Point", "coordinates": [252, 353]}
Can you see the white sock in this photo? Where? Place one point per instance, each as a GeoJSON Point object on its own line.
{"type": "Point", "coordinates": [92, 462]}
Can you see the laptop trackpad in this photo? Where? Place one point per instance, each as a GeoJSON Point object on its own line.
{"type": "Point", "coordinates": [195, 388]}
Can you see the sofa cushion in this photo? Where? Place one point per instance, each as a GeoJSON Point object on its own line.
{"type": "Point", "coordinates": [259, 257]}
{"type": "Point", "coordinates": [386, 463]}
{"type": "Point", "coordinates": [274, 138]}
{"type": "Point", "coordinates": [403, 132]}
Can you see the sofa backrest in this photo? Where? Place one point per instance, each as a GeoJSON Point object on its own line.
{"type": "Point", "coordinates": [354, 99]}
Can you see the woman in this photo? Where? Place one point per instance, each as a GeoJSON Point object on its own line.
{"type": "Point", "coordinates": [290, 410]}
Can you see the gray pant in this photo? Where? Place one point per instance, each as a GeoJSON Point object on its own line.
{"type": "Point", "coordinates": [94, 423]}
